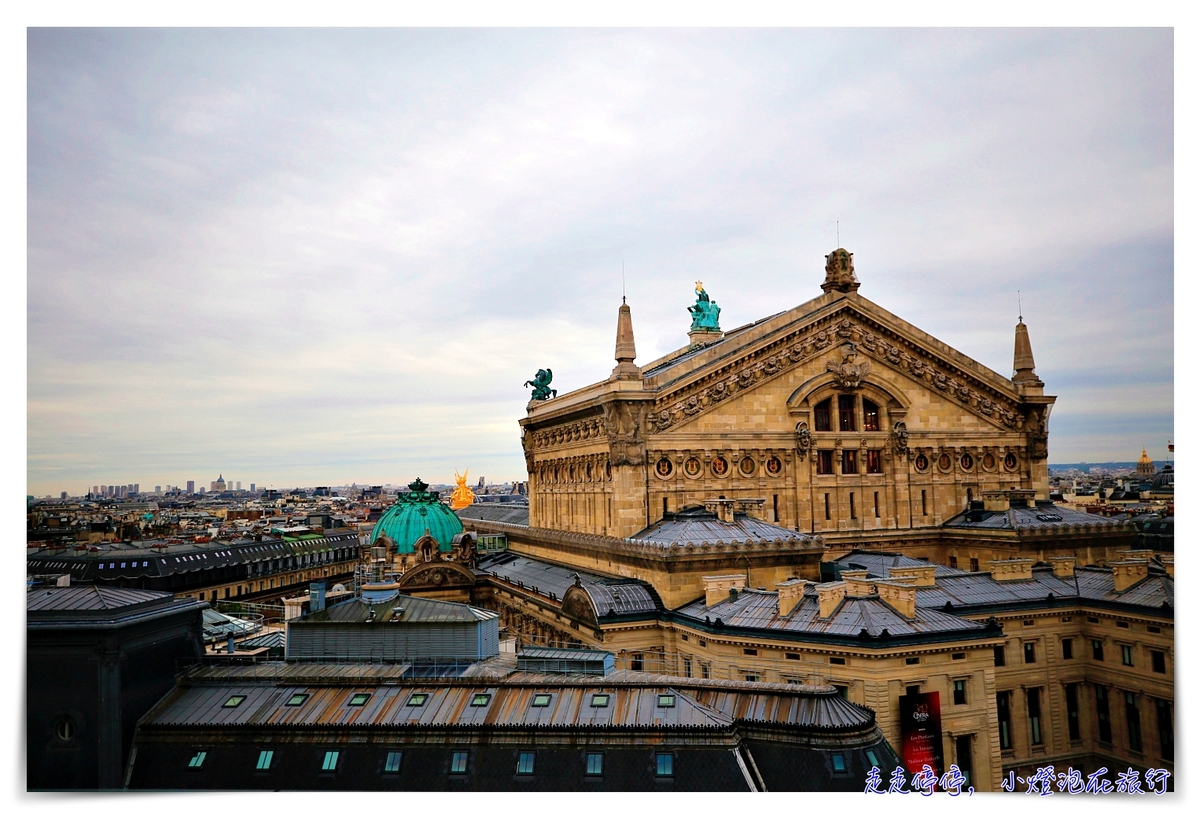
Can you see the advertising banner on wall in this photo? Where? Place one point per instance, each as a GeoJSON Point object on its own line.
{"type": "Point", "coordinates": [921, 732]}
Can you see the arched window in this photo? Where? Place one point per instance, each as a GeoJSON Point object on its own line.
{"type": "Point", "coordinates": [870, 416]}
{"type": "Point", "coordinates": [846, 413]}
{"type": "Point", "coordinates": [821, 416]}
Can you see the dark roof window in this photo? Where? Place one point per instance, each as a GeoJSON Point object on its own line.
{"type": "Point", "coordinates": [599, 700]}
{"type": "Point", "coordinates": [297, 699]}
{"type": "Point", "coordinates": [358, 699]}
{"type": "Point", "coordinates": [417, 699]}
{"type": "Point", "coordinates": [234, 701]}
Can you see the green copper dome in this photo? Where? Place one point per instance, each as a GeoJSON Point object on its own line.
{"type": "Point", "coordinates": [407, 519]}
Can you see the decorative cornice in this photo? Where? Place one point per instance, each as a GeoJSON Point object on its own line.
{"type": "Point", "coordinates": [805, 344]}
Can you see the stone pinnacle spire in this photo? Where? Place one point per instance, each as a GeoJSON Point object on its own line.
{"type": "Point", "coordinates": [1023, 357]}
{"type": "Point", "coordinates": [625, 368]}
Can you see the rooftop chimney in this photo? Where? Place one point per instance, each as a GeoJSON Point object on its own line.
{"type": "Point", "coordinates": [829, 597]}
{"type": "Point", "coordinates": [790, 594]}
{"type": "Point", "coordinates": [722, 587]}
{"type": "Point", "coordinates": [1063, 566]}
{"type": "Point", "coordinates": [722, 508]}
{"type": "Point", "coordinates": [625, 370]}
{"type": "Point", "coordinates": [921, 575]}
{"type": "Point", "coordinates": [1127, 573]}
{"type": "Point", "coordinates": [1014, 569]}
{"type": "Point", "coordinates": [899, 596]}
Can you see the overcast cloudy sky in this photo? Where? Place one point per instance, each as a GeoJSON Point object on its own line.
{"type": "Point", "coordinates": [306, 256]}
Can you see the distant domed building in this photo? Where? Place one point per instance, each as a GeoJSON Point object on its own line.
{"type": "Point", "coordinates": [413, 517]}
{"type": "Point", "coordinates": [1145, 466]}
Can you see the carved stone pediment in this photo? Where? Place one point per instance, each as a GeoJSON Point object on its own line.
{"type": "Point", "coordinates": [872, 345]}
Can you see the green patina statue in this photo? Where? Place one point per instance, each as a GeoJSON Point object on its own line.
{"type": "Point", "coordinates": [705, 312]}
{"type": "Point", "coordinates": [541, 385]}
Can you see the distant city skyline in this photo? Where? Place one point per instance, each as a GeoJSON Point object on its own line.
{"type": "Point", "coordinates": [308, 253]}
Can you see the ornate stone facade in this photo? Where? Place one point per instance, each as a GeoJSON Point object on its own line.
{"type": "Point", "coordinates": [845, 419]}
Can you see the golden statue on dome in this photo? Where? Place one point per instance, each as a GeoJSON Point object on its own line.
{"type": "Point", "coordinates": [462, 496]}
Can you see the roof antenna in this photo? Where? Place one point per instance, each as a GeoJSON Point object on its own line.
{"type": "Point", "coordinates": [622, 280]}
{"type": "Point", "coordinates": [1020, 317]}
{"type": "Point", "coordinates": [837, 226]}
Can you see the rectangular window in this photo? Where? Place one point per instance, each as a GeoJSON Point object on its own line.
{"type": "Point", "coordinates": [601, 699]}
{"type": "Point", "coordinates": [595, 763]}
{"type": "Point", "coordinates": [853, 511]}
{"type": "Point", "coordinates": [953, 561]}
{"type": "Point", "coordinates": [872, 758]}
{"type": "Point", "coordinates": [1166, 729]}
{"type": "Point", "coordinates": [1004, 719]}
{"type": "Point", "coordinates": [636, 662]}
{"type": "Point", "coordinates": [821, 417]}
{"type": "Point", "coordinates": [687, 667]}
{"type": "Point", "coordinates": [392, 763]}
{"type": "Point", "coordinates": [960, 691]}
{"type": "Point", "coordinates": [834, 660]}
{"type": "Point", "coordinates": [264, 759]}
{"type": "Point", "coordinates": [826, 506]}
{"type": "Point", "coordinates": [750, 651]}
{"type": "Point", "coordinates": [481, 699]}
{"type": "Point", "coordinates": [541, 699]}
{"type": "Point", "coordinates": [912, 690]}
{"type": "Point", "coordinates": [974, 564]}
{"type": "Point", "coordinates": [1072, 694]}
{"type": "Point", "coordinates": [1158, 661]}
{"type": "Point", "coordinates": [1127, 655]}
{"type": "Point", "coordinates": [962, 750]}
{"type": "Point", "coordinates": [750, 677]}
{"type": "Point", "coordinates": [795, 656]}
{"type": "Point", "coordinates": [1033, 705]}
{"type": "Point", "coordinates": [876, 505]}
{"type": "Point", "coordinates": [913, 660]}
{"type": "Point", "coordinates": [849, 461]}
{"type": "Point", "coordinates": [417, 699]}
{"type": "Point", "coordinates": [1133, 721]}
{"type": "Point", "coordinates": [874, 462]}
{"type": "Point", "coordinates": [666, 699]}
{"type": "Point", "coordinates": [331, 760]}
{"type": "Point", "coordinates": [525, 763]}
{"type": "Point", "coordinates": [843, 691]}
{"type": "Point", "coordinates": [664, 765]}
{"type": "Point", "coordinates": [1097, 650]}
{"type": "Point", "coordinates": [358, 699]}
{"type": "Point", "coordinates": [1102, 719]}
{"type": "Point", "coordinates": [197, 761]}
{"type": "Point", "coordinates": [846, 413]}
{"type": "Point", "coordinates": [1068, 649]}
{"type": "Point", "coordinates": [839, 762]}
{"type": "Point", "coordinates": [870, 416]}
{"type": "Point", "coordinates": [234, 701]}
{"type": "Point", "coordinates": [705, 670]}
{"type": "Point", "coordinates": [824, 461]}
{"type": "Point", "coordinates": [1030, 653]}
{"type": "Point", "coordinates": [458, 762]}
{"type": "Point", "coordinates": [924, 507]}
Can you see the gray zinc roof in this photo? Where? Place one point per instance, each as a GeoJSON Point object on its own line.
{"type": "Point", "coordinates": [759, 609]}
{"type": "Point", "coordinates": [90, 598]}
{"type": "Point", "coordinates": [401, 608]}
{"type": "Point", "coordinates": [1040, 516]}
{"type": "Point", "coordinates": [698, 525]}
{"type": "Point", "coordinates": [512, 513]}
{"type": "Point", "coordinates": [612, 596]}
